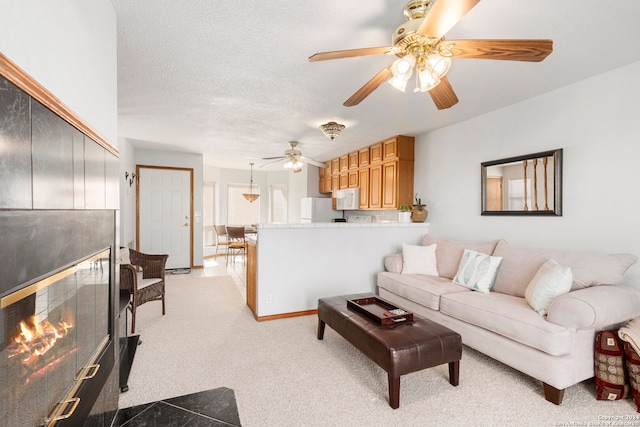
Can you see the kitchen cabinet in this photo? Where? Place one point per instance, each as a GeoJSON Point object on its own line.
{"type": "Point", "coordinates": [375, 153]}
{"type": "Point", "coordinates": [389, 185]}
{"type": "Point", "coordinates": [353, 179]}
{"type": "Point", "coordinates": [335, 183]}
{"type": "Point", "coordinates": [344, 181]}
{"type": "Point", "coordinates": [382, 171]}
{"type": "Point", "coordinates": [353, 160]}
{"type": "Point", "coordinates": [251, 276]}
{"type": "Point", "coordinates": [375, 187]}
{"type": "Point", "coordinates": [390, 149]}
{"type": "Point", "coordinates": [363, 157]}
{"type": "Point", "coordinates": [363, 193]}
{"type": "Point", "coordinates": [398, 148]}
{"type": "Point", "coordinates": [335, 166]}
{"type": "Point", "coordinates": [325, 180]}
{"type": "Point", "coordinates": [344, 163]}
{"type": "Point", "coordinates": [325, 184]}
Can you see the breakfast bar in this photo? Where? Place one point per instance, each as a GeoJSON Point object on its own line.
{"type": "Point", "coordinates": [294, 265]}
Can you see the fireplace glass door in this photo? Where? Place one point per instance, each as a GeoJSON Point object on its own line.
{"type": "Point", "coordinates": [51, 332]}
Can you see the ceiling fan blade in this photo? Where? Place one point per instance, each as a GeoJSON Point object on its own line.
{"type": "Point", "coordinates": [269, 163]}
{"type": "Point", "coordinates": [443, 95]}
{"type": "Point", "coordinates": [349, 53]}
{"type": "Point", "coordinates": [314, 162]}
{"type": "Point", "coordinates": [443, 16]}
{"type": "Point", "coordinates": [369, 87]}
{"type": "Point", "coordinates": [508, 50]}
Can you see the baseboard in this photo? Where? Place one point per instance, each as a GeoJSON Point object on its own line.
{"type": "Point", "coordinates": [286, 315]}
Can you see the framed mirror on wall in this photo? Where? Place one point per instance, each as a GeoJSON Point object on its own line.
{"type": "Point", "coordinates": [523, 185]}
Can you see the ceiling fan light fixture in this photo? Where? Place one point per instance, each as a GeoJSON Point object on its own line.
{"type": "Point", "coordinates": [399, 83]}
{"type": "Point", "coordinates": [440, 64]}
{"type": "Point", "coordinates": [428, 79]}
{"type": "Point", "coordinates": [251, 196]}
{"type": "Point", "coordinates": [403, 67]}
{"type": "Point", "coordinates": [332, 129]}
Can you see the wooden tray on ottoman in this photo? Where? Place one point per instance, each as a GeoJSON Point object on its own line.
{"type": "Point", "coordinates": [375, 308]}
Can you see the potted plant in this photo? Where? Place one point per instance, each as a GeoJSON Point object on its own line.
{"type": "Point", "coordinates": [419, 211]}
{"type": "Point", "coordinates": [404, 214]}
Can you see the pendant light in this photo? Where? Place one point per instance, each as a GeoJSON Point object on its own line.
{"type": "Point", "coordinates": [251, 196]}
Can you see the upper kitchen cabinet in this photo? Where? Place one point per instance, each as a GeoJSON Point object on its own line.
{"type": "Point", "coordinates": [325, 179]}
{"type": "Point", "coordinates": [335, 166]}
{"type": "Point", "coordinates": [344, 163]}
{"type": "Point", "coordinates": [353, 161]}
{"type": "Point", "coordinates": [375, 153]}
{"type": "Point", "coordinates": [399, 147]}
{"type": "Point", "coordinates": [382, 171]}
{"type": "Point", "coordinates": [363, 157]}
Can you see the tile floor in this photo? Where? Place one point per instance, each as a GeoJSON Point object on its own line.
{"type": "Point", "coordinates": [212, 408]}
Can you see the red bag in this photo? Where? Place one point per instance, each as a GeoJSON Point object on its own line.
{"type": "Point", "coordinates": [633, 369]}
{"type": "Point", "coordinates": [612, 380]}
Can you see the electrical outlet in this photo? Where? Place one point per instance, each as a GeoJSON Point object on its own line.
{"type": "Point", "coordinates": [269, 298]}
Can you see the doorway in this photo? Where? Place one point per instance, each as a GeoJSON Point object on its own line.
{"type": "Point", "coordinates": [164, 212]}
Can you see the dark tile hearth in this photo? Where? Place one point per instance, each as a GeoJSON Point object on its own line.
{"type": "Point", "coordinates": [215, 407]}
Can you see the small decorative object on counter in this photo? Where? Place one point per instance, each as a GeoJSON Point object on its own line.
{"type": "Point", "coordinates": [404, 214]}
{"type": "Point", "coordinates": [419, 211]}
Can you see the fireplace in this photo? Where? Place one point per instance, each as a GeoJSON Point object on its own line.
{"type": "Point", "coordinates": [59, 198]}
{"type": "Point", "coordinates": [55, 337]}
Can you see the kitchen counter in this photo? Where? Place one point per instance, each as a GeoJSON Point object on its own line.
{"type": "Point", "coordinates": [379, 224]}
{"type": "Point", "coordinates": [296, 264]}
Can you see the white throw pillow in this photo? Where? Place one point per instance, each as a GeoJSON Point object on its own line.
{"type": "Point", "coordinates": [419, 259]}
{"type": "Point", "coordinates": [550, 281]}
{"type": "Point", "coordinates": [477, 271]}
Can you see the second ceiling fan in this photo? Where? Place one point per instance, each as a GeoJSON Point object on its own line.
{"type": "Point", "coordinates": [419, 43]}
{"type": "Point", "coordinates": [294, 159]}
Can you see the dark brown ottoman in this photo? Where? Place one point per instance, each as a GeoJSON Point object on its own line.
{"type": "Point", "coordinates": [399, 350]}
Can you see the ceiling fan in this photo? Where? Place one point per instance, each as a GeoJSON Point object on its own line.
{"type": "Point", "coordinates": [419, 43]}
{"type": "Point", "coordinates": [294, 159]}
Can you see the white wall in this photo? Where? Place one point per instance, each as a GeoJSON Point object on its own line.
{"type": "Point", "coordinates": [596, 122]}
{"type": "Point", "coordinates": [70, 48]}
{"type": "Point", "coordinates": [127, 194]}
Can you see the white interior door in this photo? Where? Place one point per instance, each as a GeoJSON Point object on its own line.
{"type": "Point", "coordinates": [164, 215]}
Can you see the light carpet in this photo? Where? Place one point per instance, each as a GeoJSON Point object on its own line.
{"type": "Point", "coordinates": [284, 376]}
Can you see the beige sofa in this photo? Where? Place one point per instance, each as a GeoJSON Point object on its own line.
{"type": "Point", "coordinates": [558, 348]}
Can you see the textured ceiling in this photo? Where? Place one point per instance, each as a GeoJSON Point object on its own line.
{"type": "Point", "coordinates": [231, 79]}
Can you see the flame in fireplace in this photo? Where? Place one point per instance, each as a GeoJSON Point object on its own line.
{"type": "Point", "coordinates": [36, 338]}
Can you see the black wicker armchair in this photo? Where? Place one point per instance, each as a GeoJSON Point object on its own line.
{"type": "Point", "coordinates": [144, 279]}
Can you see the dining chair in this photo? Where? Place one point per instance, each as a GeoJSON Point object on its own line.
{"type": "Point", "coordinates": [237, 243]}
{"type": "Point", "coordinates": [222, 239]}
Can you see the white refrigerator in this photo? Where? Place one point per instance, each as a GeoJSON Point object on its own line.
{"type": "Point", "coordinates": [317, 209]}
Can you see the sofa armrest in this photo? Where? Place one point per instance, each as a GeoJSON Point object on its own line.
{"type": "Point", "coordinates": [393, 263]}
{"type": "Point", "coordinates": [595, 307]}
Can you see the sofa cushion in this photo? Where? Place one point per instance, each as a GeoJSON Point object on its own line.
{"type": "Point", "coordinates": [449, 253]}
{"type": "Point", "coordinates": [519, 265]}
{"type": "Point", "coordinates": [419, 259]}
{"type": "Point", "coordinates": [423, 290]}
{"type": "Point", "coordinates": [551, 281]}
{"type": "Point", "coordinates": [510, 317]}
{"type": "Point", "coordinates": [393, 263]}
{"type": "Point", "coordinates": [477, 271]}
